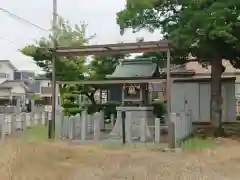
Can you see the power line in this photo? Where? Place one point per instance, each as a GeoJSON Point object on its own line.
{"type": "Point", "coordinates": [22, 19]}
{"type": "Point", "coordinates": [10, 41]}
{"type": "Point", "coordinates": [15, 43]}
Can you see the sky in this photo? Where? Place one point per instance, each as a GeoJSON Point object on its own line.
{"type": "Point", "coordinates": [100, 15]}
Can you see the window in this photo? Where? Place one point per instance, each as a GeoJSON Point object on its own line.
{"type": "Point", "coordinates": [237, 90]}
{"type": "Point", "coordinates": [4, 75]}
{"type": "Point", "coordinates": [7, 76]}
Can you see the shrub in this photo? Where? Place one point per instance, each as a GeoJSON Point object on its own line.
{"type": "Point", "coordinates": [70, 107]}
{"type": "Point", "coordinates": [92, 108]}
{"type": "Point", "coordinates": [159, 108]}
{"type": "Point", "coordinates": [110, 108]}
{"type": "Point", "coordinates": [72, 111]}
{"type": "Point", "coordinates": [238, 118]}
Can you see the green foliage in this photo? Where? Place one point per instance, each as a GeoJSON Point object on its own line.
{"type": "Point", "coordinates": [206, 31]}
{"type": "Point", "coordinates": [197, 143]}
{"type": "Point", "coordinates": [67, 68]}
{"type": "Point", "coordinates": [92, 108]}
{"type": "Point", "coordinates": [238, 118]}
{"type": "Point", "coordinates": [108, 108]}
{"type": "Point", "coordinates": [69, 101]}
{"type": "Point", "coordinates": [160, 108]}
{"type": "Point", "coordinates": [202, 29]}
{"type": "Point", "coordinates": [35, 97]}
{"type": "Point", "coordinates": [71, 68]}
{"type": "Point", "coordinates": [72, 111]}
{"type": "Point", "coordinates": [101, 66]}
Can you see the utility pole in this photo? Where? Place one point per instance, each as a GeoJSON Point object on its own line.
{"type": "Point", "coordinates": [54, 41]}
{"type": "Point", "coordinates": [169, 122]}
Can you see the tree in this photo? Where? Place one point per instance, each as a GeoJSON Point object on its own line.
{"type": "Point", "coordinates": [161, 57]}
{"type": "Point", "coordinates": [101, 66]}
{"type": "Point", "coordinates": [67, 68]}
{"type": "Point", "coordinates": [207, 30]}
{"type": "Point", "coordinates": [71, 68]}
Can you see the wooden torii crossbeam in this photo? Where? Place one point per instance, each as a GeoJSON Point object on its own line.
{"type": "Point", "coordinates": [109, 49]}
{"type": "Point", "coordinates": [119, 48]}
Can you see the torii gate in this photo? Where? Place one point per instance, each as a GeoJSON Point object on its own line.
{"type": "Point", "coordinates": [119, 48]}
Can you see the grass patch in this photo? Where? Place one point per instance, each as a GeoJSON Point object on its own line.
{"type": "Point", "coordinates": [37, 133]}
{"type": "Point", "coordinates": [197, 143]}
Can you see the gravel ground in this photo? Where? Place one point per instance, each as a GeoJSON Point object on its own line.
{"type": "Point", "coordinates": [21, 160]}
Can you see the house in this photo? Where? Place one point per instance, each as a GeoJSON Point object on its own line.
{"type": "Point", "coordinates": [22, 85]}
{"type": "Point", "coordinates": [14, 84]}
{"type": "Point", "coordinates": [230, 71]}
{"type": "Point", "coordinates": [191, 88]}
{"type": "Point", "coordinates": [7, 70]}
{"type": "Point", "coordinates": [7, 89]}
{"type": "Point", "coordinates": [23, 75]}
{"type": "Point", "coordinates": [16, 90]}
{"type": "Point", "coordinates": [193, 95]}
{"type": "Point", "coordinates": [45, 89]}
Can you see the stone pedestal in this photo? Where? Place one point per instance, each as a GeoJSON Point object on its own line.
{"type": "Point", "coordinates": [134, 115]}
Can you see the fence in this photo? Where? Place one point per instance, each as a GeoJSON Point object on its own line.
{"type": "Point", "coordinates": [9, 124]}
{"type": "Point", "coordinates": [9, 109]}
{"type": "Point", "coordinates": [88, 127]}
{"type": "Point", "coordinates": [182, 124]}
{"type": "Point", "coordinates": [80, 126]}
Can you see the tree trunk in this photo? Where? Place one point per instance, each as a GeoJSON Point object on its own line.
{"type": "Point", "coordinates": [100, 96]}
{"type": "Point", "coordinates": [216, 95]}
{"type": "Point", "coordinates": [91, 98]}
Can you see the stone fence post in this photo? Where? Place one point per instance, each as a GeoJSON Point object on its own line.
{"type": "Point", "coordinates": [13, 124]}
{"type": "Point", "coordinates": [143, 130]}
{"type": "Point", "coordinates": [129, 127]}
{"type": "Point", "coordinates": [97, 126]}
{"type": "Point", "coordinates": [157, 130]}
{"type": "Point", "coordinates": [84, 125]}
{"type": "Point", "coordinates": [71, 127]}
{"type": "Point", "coordinates": [23, 121]}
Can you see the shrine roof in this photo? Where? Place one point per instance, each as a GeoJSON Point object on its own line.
{"type": "Point", "coordinates": [135, 68]}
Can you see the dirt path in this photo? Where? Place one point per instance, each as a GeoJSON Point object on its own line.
{"type": "Point", "coordinates": [58, 161]}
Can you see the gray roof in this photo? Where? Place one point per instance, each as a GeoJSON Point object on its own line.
{"type": "Point", "coordinates": [130, 68]}
{"type": "Point", "coordinates": [41, 77]}
{"type": "Point", "coordinates": [202, 79]}
{"type": "Point", "coordinates": [10, 64]}
{"type": "Point", "coordinates": [10, 83]}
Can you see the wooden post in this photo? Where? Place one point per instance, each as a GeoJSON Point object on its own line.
{"type": "Point", "coordinates": [49, 119]}
{"type": "Point", "coordinates": [2, 128]}
{"type": "Point", "coordinates": [123, 127]}
{"type": "Point", "coordinates": [171, 130]}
